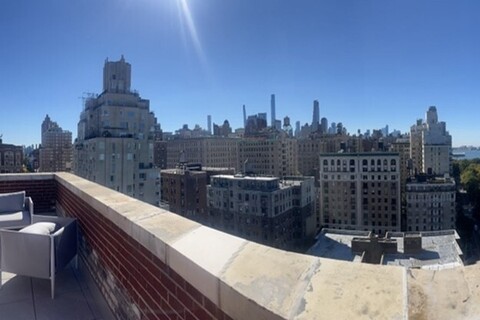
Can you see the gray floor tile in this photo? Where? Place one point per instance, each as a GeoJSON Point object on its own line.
{"type": "Point", "coordinates": [65, 281]}
{"type": "Point", "coordinates": [67, 305]}
{"type": "Point", "coordinates": [76, 297]}
{"type": "Point", "coordinates": [15, 288]}
{"type": "Point", "coordinates": [19, 310]}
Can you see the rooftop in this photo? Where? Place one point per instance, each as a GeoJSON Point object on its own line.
{"type": "Point", "coordinates": [439, 249]}
{"type": "Point", "coordinates": [242, 177]}
{"type": "Point", "coordinates": [337, 244]}
{"type": "Point", "coordinates": [151, 263]}
{"type": "Point", "coordinates": [76, 297]}
{"type": "Point", "coordinates": [358, 154]}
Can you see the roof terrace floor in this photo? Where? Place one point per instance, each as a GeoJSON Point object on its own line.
{"type": "Point", "coordinates": [76, 297]}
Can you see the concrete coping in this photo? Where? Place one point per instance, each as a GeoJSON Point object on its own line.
{"type": "Point", "coordinates": [251, 281]}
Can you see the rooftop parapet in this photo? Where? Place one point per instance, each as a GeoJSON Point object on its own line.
{"type": "Point", "coordinates": [151, 263]}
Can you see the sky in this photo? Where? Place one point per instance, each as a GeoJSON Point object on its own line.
{"type": "Point", "coordinates": [368, 63]}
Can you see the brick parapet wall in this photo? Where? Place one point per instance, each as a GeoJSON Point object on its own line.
{"type": "Point", "coordinates": [136, 283]}
{"type": "Point", "coordinates": [152, 264]}
{"type": "Point", "coordinates": [41, 188]}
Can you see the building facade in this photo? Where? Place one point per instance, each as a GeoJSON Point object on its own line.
{"type": "Point", "coordinates": [360, 191]}
{"type": "Point", "coordinates": [402, 147]}
{"type": "Point", "coordinates": [431, 204]}
{"type": "Point", "coordinates": [160, 154]}
{"type": "Point", "coordinates": [116, 135]}
{"type": "Point", "coordinates": [218, 152]}
{"type": "Point", "coordinates": [56, 150]}
{"type": "Point", "coordinates": [430, 145]}
{"type": "Point", "coordinates": [11, 158]}
{"type": "Point", "coordinates": [275, 157]}
{"type": "Point", "coordinates": [276, 212]}
{"type": "Point", "coordinates": [185, 192]}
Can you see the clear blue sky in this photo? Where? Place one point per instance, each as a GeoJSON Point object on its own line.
{"type": "Point", "coordinates": [369, 63]}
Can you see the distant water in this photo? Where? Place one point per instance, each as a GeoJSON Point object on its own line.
{"type": "Point", "coordinates": [469, 154]}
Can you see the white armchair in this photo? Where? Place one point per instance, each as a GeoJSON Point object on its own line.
{"type": "Point", "coordinates": [39, 250]}
{"type": "Point", "coordinates": [16, 210]}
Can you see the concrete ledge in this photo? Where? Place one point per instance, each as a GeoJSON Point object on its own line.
{"type": "Point", "coordinates": [246, 280]}
{"type": "Point", "coordinates": [26, 176]}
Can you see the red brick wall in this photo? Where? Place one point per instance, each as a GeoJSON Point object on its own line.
{"type": "Point", "coordinates": [43, 192]}
{"type": "Point", "coordinates": [140, 278]}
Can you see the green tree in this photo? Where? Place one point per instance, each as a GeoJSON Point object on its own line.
{"type": "Point", "coordinates": [470, 179]}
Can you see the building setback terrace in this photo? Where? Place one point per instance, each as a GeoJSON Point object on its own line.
{"type": "Point", "coordinates": [152, 264]}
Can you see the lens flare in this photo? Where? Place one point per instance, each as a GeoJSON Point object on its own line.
{"type": "Point", "coordinates": [187, 20]}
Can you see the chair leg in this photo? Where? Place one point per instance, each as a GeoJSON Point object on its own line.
{"type": "Point", "coordinates": [52, 284]}
{"type": "Point", "coordinates": [52, 266]}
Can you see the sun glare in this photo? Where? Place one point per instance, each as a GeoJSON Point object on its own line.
{"type": "Point", "coordinates": [187, 21]}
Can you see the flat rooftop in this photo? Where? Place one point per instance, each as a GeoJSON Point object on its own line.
{"type": "Point", "coordinates": [440, 250]}
{"type": "Point", "coordinates": [76, 297]}
{"type": "Point", "coordinates": [337, 244]}
{"type": "Point", "coordinates": [242, 177]}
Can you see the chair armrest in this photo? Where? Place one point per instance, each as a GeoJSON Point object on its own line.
{"type": "Point", "coordinates": [25, 254]}
{"type": "Point", "coordinates": [65, 238]}
{"type": "Point", "coordinates": [29, 206]}
{"type": "Point", "coordinates": [65, 244]}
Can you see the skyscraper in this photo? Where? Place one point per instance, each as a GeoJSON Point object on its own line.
{"type": "Point", "coordinates": [244, 117]}
{"type": "Point", "coordinates": [272, 107]}
{"type": "Point", "coordinates": [316, 116]}
{"type": "Point", "coordinates": [297, 129]}
{"type": "Point", "coordinates": [116, 135]}
{"type": "Point", "coordinates": [209, 123]}
{"type": "Point", "coordinates": [324, 125]}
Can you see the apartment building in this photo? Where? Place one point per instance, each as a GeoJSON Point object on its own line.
{"type": "Point", "coordinates": [430, 204]}
{"type": "Point", "coordinates": [185, 192]}
{"type": "Point", "coordinates": [268, 156]}
{"type": "Point", "coordinates": [430, 145]}
{"type": "Point", "coordinates": [360, 191]}
{"type": "Point", "coordinates": [219, 152]}
{"type": "Point", "coordinates": [269, 210]}
{"type": "Point", "coordinates": [402, 147]}
{"type": "Point", "coordinates": [310, 148]}
{"type": "Point", "coordinates": [11, 158]}
{"type": "Point", "coordinates": [116, 135]}
{"type": "Point", "coordinates": [56, 150]}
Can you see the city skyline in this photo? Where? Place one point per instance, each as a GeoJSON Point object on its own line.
{"type": "Point", "coordinates": [368, 65]}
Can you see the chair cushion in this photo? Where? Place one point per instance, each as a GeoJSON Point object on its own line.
{"type": "Point", "coordinates": [14, 219]}
{"type": "Point", "coordinates": [40, 228]}
{"type": "Point", "coordinates": [12, 202]}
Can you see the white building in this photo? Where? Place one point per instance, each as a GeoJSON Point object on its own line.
{"type": "Point", "coordinates": [430, 145]}
{"type": "Point", "coordinates": [116, 135]}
